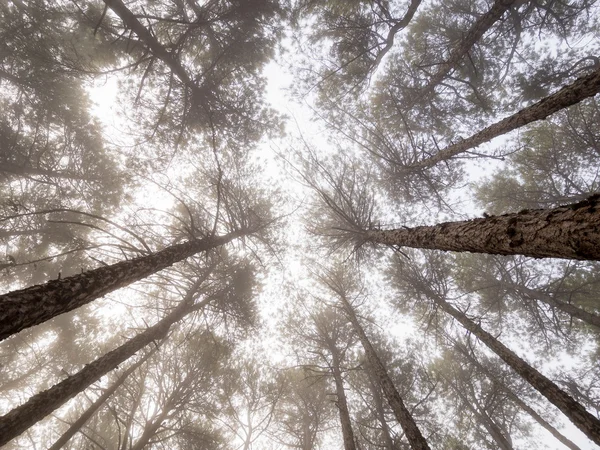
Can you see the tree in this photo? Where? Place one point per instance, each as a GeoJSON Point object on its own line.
{"type": "Point", "coordinates": [338, 283]}
{"type": "Point", "coordinates": [576, 413]}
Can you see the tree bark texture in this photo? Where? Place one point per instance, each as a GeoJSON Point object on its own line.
{"type": "Point", "coordinates": [571, 232]}
{"type": "Point", "coordinates": [34, 305]}
{"type": "Point", "coordinates": [40, 405]}
{"type": "Point", "coordinates": [576, 413]}
{"type": "Point", "coordinates": [580, 89]}
{"type": "Point", "coordinates": [88, 413]}
{"type": "Point", "coordinates": [403, 415]}
{"type": "Point", "coordinates": [479, 28]}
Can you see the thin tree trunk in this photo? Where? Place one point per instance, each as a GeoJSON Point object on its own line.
{"type": "Point", "coordinates": [34, 305]}
{"type": "Point", "coordinates": [403, 416]}
{"type": "Point", "coordinates": [479, 28]}
{"type": "Point", "coordinates": [32, 171]}
{"type": "Point", "coordinates": [158, 50]}
{"type": "Point", "coordinates": [151, 429]}
{"type": "Point", "coordinates": [40, 405]}
{"type": "Point", "coordinates": [342, 403]}
{"type": "Point", "coordinates": [580, 89]}
{"type": "Point", "coordinates": [517, 400]}
{"type": "Point", "coordinates": [80, 422]}
{"type": "Point", "coordinates": [571, 231]}
{"type": "Point", "coordinates": [576, 413]}
{"type": "Point", "coordinates": [378, 404]}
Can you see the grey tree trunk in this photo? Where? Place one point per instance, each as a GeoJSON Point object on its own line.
{"type": "Point", "coordinates": [342, 402]}
{"type": "Point", "coordinates": [378, 405]}
{"type": "Point", "coordinates": [571, 232]}
{"type": "Point", "coordinates": [580, 89]}
{"type": "Point", "coordinates": [479, 28]}
{"type": "Point", "coordinates": [576, 413]}
{"type": "Point", "coordinates": [88, 413]}
{"type": "Point", "coordinates": [40, 405]}
{"type": "Point", "coordinates": [403, 416]}
{"type": "Point", "coordinates": [34, 305]}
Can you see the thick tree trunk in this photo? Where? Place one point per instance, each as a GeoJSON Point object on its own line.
{"type": "Point", "coordinates": [88, 413]}
{"type": "Point", "coordinates": [479, 28]}
{"type": "Point", "coordinates": [342, 403]}
{"type": "Point", "coordinates": [37, 304]}
{"type": "Point", "coordinates": [403, 416]}
{"type": "Point", "coordinates": [571, 232]}
{"type": "Point", "coordinates": [576, 413]}
{"type": "Point", "coordinates": [517, 400]}
{"type": "Point", "coordinates": [40, 405]}
{"type": "Point", "coordinates": [580, 89]}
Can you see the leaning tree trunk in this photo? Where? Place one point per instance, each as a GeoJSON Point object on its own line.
{"type": "Point", "coordinates": [88, 413]}
{"type": "Point", "coordinates": [342, 403]}
{"type": "Point", "coordinates": [403, 415]}
{"type": "Point", "coordinates": [380, 412]}
{"type": "Point", "coordinates": [34, 305]}
{"type": "Point", "coordinates": [516, 399]}
{"type": "Point", "coordinates": [571, 232]}
{"type": "Point", "coordinates": [40, 405]}
{"type": "Point", "coordinates": [580, 89]}
{"type": "Point", "coordinates": [576, 413]}
{"type": "Point", "coordinates": [479, 28]}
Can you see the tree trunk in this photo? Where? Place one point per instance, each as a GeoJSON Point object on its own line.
{"type": "Point", "coordinates": [580, 89]}
{"type": "Point", "coordinates": [571, 232]}
{"type": "Point", "coordinates": [378, 405]}
{"type": "Point", "coordinates": [576, 413]}
{"type": "Point", "coordinates": [517, 400]}
{"type": "Point", "coordinates": [80, 422]}
{"type": "Point", "coordinates": [403, 416]}
{"type": "Point", "coordinates": [34, 305]}
{"type": "Point", "coordinates": [40, 405]}
{"type": "Point", "coordinates": [342, 403]}
{"type": "Point", "coordinates": [479, 28]}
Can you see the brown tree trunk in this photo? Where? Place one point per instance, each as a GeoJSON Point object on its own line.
{"type": "Point", "coordinates": [403, 416]}
{"type": "Point", "coordinates": [479, 28]}
{"type": "Point", "coordinates": [576, 413]}
{"type": "Point", "coordinates": [571, 232]}
{"type": "Point", "coordinates": [342, 403]}
{"type": "Point", "coordinates": [88, 413]}
{"type": "Point", "coordinates": [580, 89]}
{"type": "Point", "coordinates": [40, 405]}
{"type": "Point", "coordinates": [34, 305]}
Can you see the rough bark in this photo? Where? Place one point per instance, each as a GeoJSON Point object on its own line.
{"type": "Point", "coordinates": [580, 89]}
{"type": "Point", "coordinates": [34, 305]}
{"type": "Point", "coordinates": [518, 401]}
{"type": "Point", "coordinates": [40, 405]}
{"type": "Point", "coordinates": [342, 403]}
{"type": "Point", "coordinates": [88, 413]}
{"type": "Point", "coordinates": [576, 413]}
{"type": "Point", "coordinates": [402, 414]}
{"type": "Point", "coordinates": [571, 232]}
{"type": "Point", "coordinates": [479, 28]}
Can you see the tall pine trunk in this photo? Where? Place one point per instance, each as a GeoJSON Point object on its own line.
{"type": "Point", "coordinates": [34, 305]}
{"type": "Point", "coordinates": [40, 405]}
{"type": "Point", "coordinates": [342, 402]}
{"type": "Point", "coordinates": [379, 410]}
{"type": "Point", "coordinates": [571, 232]}
{"type": "Point", "coordinates": [479, 28]}
{"type": "Point", "coordinates": [403, 416]}
{"type": "Point", "coordinates": [580, 89]}
{"type": "Point", "coordinates": [95, 406]}
{"type": "Point", "coordinates": [576, 413]}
